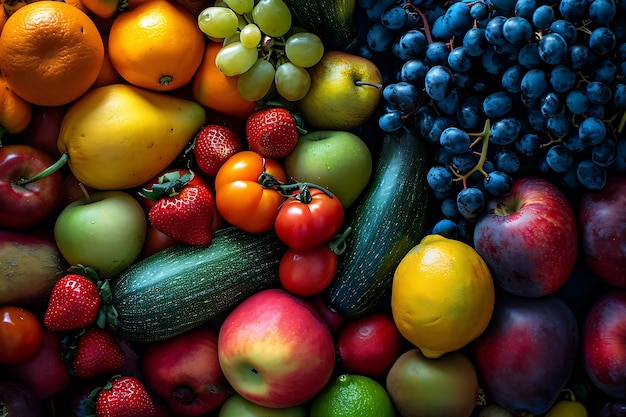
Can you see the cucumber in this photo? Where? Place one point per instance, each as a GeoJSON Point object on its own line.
{"type": "Point", "coordinates": [390, 217]}
{"type": "Point", "coordinates": [184, 286]}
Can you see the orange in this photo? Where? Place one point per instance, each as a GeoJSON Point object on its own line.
{"type": "Point", "coordinates": [50, 52]}
{"type": "Point", "coordinates": [156, 45]}
{"type": "Point", "coordinates": [15, 112]}
{"type": "Point", "coordinates": [108, 74]}
{"type": "Point", "coordinates": [3, 18]}
{"type": "Point", "coordinates": [214, 90]}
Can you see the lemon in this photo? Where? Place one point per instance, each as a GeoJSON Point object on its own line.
{"type": "Point", "coordinates": [352, 396]}
{"type": "Point", "coordinates": [442, 295]}
{"type": "Point", "coordinates": [567, 408]}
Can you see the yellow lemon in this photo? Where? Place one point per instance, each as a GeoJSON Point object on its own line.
{"type": "Point", "coordinates": [442, 295]}
{"type": "Point", "coordinates": [567, 408]}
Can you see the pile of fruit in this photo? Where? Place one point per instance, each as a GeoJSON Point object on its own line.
{"type": "Point", "coordinates": [313, 208]}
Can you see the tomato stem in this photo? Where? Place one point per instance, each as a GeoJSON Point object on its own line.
{"type": "Point", "coordinates": [338, 243]}
{"type": "Point", "coordinates": [299, 190]}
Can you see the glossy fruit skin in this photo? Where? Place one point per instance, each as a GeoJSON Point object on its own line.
{"type": "Point", "coordinates": [603, 339]}
{"type": "Point", "coordinates": [21, 334]}
{"type": "Point", "coordinates": [241, 199]}
{"type": "Point", "coordinates": [527, 353]}
{"type": "Point", "coordinates": [272, 132]}
{"type": "Point", "coordinates": [23, 206]}
{"type": "Point", "coordinates": [213, 146]}
{"type": "Point", "coordinates": [529, 238]}
{"type": "Point", "coordinates": [602, 219]}
{"type": "Point", "coordinates": [307, 272]}
{"type": "Point", "coordinates": [304, 224]}
{"type": "Point", "coordinates": [74, 303]}
{"type": "Point", "coordinates": [43, 130]}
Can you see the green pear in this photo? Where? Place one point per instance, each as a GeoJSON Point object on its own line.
{"type": "Point", "coordinates": [345, 92]}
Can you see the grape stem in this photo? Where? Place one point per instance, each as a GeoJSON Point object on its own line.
{"type": "Point", "coordinates": [480, 137]}
{"type": "Point", "coordinates": [413, 7]}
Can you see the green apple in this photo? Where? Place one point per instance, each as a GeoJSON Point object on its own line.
{"type": "Point", "coordinates": [105, 231]}
{"type": "Point", "coordinates": [335, 159]}
{"type": "Point", "coordinates": [237, 406]}
{"type": "Point", "coordinates": [345, 92]}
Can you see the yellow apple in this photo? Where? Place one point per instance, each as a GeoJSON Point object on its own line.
{"type": "Point", "coordinates": [345, 91]}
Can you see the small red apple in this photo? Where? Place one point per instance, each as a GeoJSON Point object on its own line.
{"type": "Point", "coordinates": [276, 350]}
{"type": "Point", "coordinates": [602, 217]}
{"type": "Point", "coordinates": [529, 238]}
{"type": "Point", "coordinates": [333, 319]}
{"type": "Point", "coordinates": [185, 372]}
{"type": "Point", "coordinates": [43, 130]}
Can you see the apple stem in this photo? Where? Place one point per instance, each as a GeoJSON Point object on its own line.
{"type": "Point", "coordinates": [48, 171]}
{"type": "Point", "coordinates": [366, 83]}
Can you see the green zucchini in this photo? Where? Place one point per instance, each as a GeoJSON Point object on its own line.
{"type": "Point", "coordinates": [184, 286]}
{"type": "Point", "coordinates": [389, 218]}
{"type": "Point", "coordinates": [334, 21]}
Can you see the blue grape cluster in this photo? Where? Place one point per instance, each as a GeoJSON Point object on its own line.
{"type": "Point", "coordinates": [503, 88]}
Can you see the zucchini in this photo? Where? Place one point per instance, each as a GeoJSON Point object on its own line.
{"type": "Point", "coordinates": [334, 21]}
{"type": "Point", "coordinates": [184, 286]}
{"type": "Point", "coordinates": [389, 218]}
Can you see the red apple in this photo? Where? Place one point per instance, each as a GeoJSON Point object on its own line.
{"type": "Point", "coordinates": [602, 217]}
{"type": "Point", "coordinates": [43, 130]}
{"type": "Point", "coordinates": [45, 373]}
{"type": "Point", "coordinates": [333, 319]}
{"type": "Point", "coordinates": [604, 338]}
{"type": "Point", "coordinates": [529, 238]}
{"type": "Point", "coordinates": [185, 372]}
{"type": "Point", "coordinates": [276, 350]}
{"type": "Point", "coordinates": [25, 203]}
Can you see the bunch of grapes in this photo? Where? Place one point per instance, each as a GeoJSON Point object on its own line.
{"type": "Point", "coordinates": [261, 48]}
{"type": "Point", "coordinates": [504, 88]}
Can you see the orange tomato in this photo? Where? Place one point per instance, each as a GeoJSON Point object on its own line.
{"type": "Point", "coordinates": [239, 196]}
{"type": "Point", "coordinates": [21, 335]}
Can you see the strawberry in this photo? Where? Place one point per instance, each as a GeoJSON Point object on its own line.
{"type": "Point", "coordinates": [77, 300]}
{"type": "Point", "coordinates": [213, 145]}
{"type": "Point", "coordinates": [124, 396]}
{"type": "Point", "coordinates": [181, 210]}
{"type": "Point", "coordinates": [272, 132]}
{"type": "Point", "coordinates": [96, 352]}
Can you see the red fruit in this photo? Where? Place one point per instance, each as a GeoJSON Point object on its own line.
{"type": "Point", "coordinates": [369, 345]}
{"type": "Point", "coordinates": [125, 396]}
{"type": "Point", "coordinates": [97, 353]}
{"type": "Point", "coordinates": [213, 146]}
{"type": "Point", "coordinates": [272, 132]}
{"type": "Point", "coordinates": [74, 303]}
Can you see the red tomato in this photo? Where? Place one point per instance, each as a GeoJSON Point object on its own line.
{"type": "Point", "coordinates": [240, 197]}
{"type": "Point", "coordinates": [307, 272]}
{"type": "Point", "coordinates": [21, 335]}
{"type": "Point", "coordinates": [304, 223]}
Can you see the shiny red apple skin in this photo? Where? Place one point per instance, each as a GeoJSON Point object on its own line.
{"type": "Point", "coordinates": [276, 350]}
{"type": "Point", "coordinates": [529, 238]}
{"type": "Point", "coordinates": [604, 343]}
{"type": "Point", "coordinates": [333, 319]}
{"type": "Point", "coordinates": [24, 206]}
{"type": "Point", "coordinates": [602, 221]}
{"type": "Point", "coordinates": [43, 130]}
{"type": "Point", "coordinates": [185, 372]}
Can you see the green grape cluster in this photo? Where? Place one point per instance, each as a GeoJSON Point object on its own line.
{"type": "Point", "coordinates": [261, 47]}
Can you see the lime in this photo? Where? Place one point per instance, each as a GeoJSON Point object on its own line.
{"type": "Point", "coordinates": [352, 396]}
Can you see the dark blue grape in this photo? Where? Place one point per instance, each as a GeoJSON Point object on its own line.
{"type": "Point", "coordinates": [438, 82]}
{"type": "Point", "coordinates": [528, 56]}
{"type": "Point", "coordinates": [457, 19]}
{"type": "Point", "coordinates": [590, 175]}
{"type": "Point", "coordinates": [446, 228]}
{"type": "Point", "coordinates": [602, 41]}
{"type": "Point", "coordinates": [464, 80]}
{"type": "Point", "coordinates": [559, 125]}
{"type": "Point", "coordinates": [439, 30]}
{"type": "Point", "coordinates": [504, 131]}
{"type": "Point", "coordinates": [439, 178]}
{"type": "Point", "coordinates": [601, 12]}
{"type": "Point", "coordinates": [562, 78]}
{"type": "Point", "coordinates": [534, 83]}
{"type": "Point", "coordinates": [455, 140]}
{"type": "Point", "coordinates": [458, 60]}
{"type": "Point", "coordinates": [595, 110]}
{"type": "Point", "coordinates": [604, 153]}
{"type": "Point", "coordinates": [517, 30]}
{"type": "Point", "coordinates": [537, 120]}
{"type": "Point", "coordinates": [493, 62]}
{"type": "Point", "coordinates": [475, 42]}
{"type": "Point", "coordinates": [479, 10]}
{"type": "Point", "coordinates": [376, 10]}
{"type": "Point", "coordinates": [525, 8]}
{"type": "Point", "coordinates": [528, 144]}
{"type": "Point", "coordinates": [578, 57]}
{"type": "Point", "coordinates": [497, 104]}
{"type": "Point", "coordinates": [470, 202]}
{"type": "Point", "coordinates": [552, 49]}
{"type": "Point", "coordinates": [391, 121]}
{"type": "Point", "coordinates": [394, 17]}
{"type": "Point", "coordinates": [559, 159]}
{"type": "Point", "coordinates": [573, 10]}
{"type": "Point", "coordinates": [573, 142]}
{"type": "Point", "coordinates": [449, 209]}
{"type": "Point", "coordinates": [576, 102]}
{"type": "Point", "coordinates": [464, 162]}
{"type": "Point", "coordinates": [380, 38]}
{"type": "Point", "coordinates": [493, 30]}
{"type": "Point", "coordinates": [439, 125]}
{"type": "Point", "coordinates": [414, 71]}
{"type": "Point", "coordinates": [468, 115]}
{"type": "Point", "coordinates": [592, 131]}
{"type": "Point", "coordinates": [619, 95]}
{"type": "Point", "coordinates": [566, 29]}
{"type": "Point", "coordinates": [450, 103]}
{"type": "Point", "coordinates": [512, 78]}
{"type": "Point", "coordinates": [498, 183]}
{"type": "Point", "coordinates": [443, 157]}
{"type": "Point", "coordinates": [604, 71]}
{"type": "Point", "coordinates": [550, 104]}
{"type": "Point", "coordinates": [403, 96]}
{"type": "Point", "coordinates": [598, 93]}
{"type": "Point", "coordinates": [411, 44]}
{"type": "Point", "coordinates": [543, 17]}
{"type": "Point", "coordinates": [437, 53]}
{"type": "Point", "coordinates": [506, 161]}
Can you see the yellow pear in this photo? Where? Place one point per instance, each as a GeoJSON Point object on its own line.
{"type": "Point", "coordinates": [345, 91]}
{"type": "Point", "coordinates": [120, 136]}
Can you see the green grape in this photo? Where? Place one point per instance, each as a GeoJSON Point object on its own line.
{"type": "Point", "coordinates": [250, 35]}
{"type": "Point", "coordinates": [272, 16]}
{"type": "Point", "coordinates": [235, 59]}
{"type": "Point", "coordinates": [255, 83]}
{"type": "Point", "coordinates": [218, 22]}
{"type": "Point", "coordinates": [240, 6]}
{"type": "Point", "coordinates": [304, 49]}
{"type": "Point", "coordinates": [292, 82]}
{"type": "Point", "coordinates": [230, 39]}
